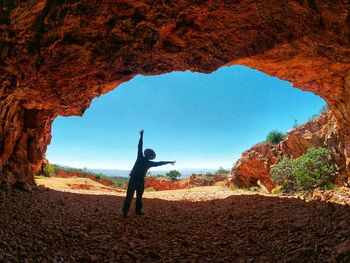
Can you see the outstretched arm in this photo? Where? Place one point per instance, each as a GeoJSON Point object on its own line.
{"type": "Point", "coordinates": [139, 147]}
{"type": "Point", "coordinates": [154, 164]}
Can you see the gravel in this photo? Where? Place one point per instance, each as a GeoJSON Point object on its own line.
{"type": "Point", "coordinates": [53, 226]}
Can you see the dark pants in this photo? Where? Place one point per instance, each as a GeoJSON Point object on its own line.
{"type": "Point", "coordinates": [133, 186]}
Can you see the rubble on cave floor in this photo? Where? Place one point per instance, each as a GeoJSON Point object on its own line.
{"type": "Point", "coordinates": [340, 195]}
{"type": "Point", "coordinates": [52, 226]}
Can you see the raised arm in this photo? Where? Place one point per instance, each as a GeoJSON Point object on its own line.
{"type": "Point", "coordinates": [154, 164]}
{"type": "Point", "coordinates": [139, 147]}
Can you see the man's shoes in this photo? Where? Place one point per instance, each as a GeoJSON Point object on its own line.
{"type": "Point", "coordinates": [140, 213]}
{"type": "Point", "coordinates": [125, 214]}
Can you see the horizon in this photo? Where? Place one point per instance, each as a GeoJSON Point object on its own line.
{"type": "Point", "coordinates": [152, 171]}
{"type": "Point", "coordinates": [203, 121]}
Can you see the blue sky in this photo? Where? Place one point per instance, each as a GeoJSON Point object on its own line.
{"type": "Point", "coordinates": [199, 120]}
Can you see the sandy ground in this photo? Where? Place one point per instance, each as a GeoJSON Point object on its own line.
{"type": "Point", "coordinates": [55, 226]}
{"type": "Point", "coordinates": [77, 185]}
{"type": "Point", "coordinates": [88, 186]}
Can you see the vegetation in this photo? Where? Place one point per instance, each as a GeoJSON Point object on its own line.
{"type": "Point", "coordinates": [314, 169]}
{"type": "Point", "coordinates": [253, 189]}
{"type": "Point", "coordinates": [159, 176]}
{"type": "Point", "coordinates": [208, 179]}
{"type": "Point", "coordinates": [150, 189]}
{"type": "Point", "coordinates": [274, 137]}
{"type": "Point", "coordinates": [155, 175]}
{"type": "Point", "coordinates": [120, 182]}
{"type": "Point", "coordinates": [311, 170]}
{"type": "Point", "coordinates": [295, 124]}
{"type": "Point", "coordinates": [78, 170]}
{"type": "Point", "coordinates": [277, 190]}
{"type": "Point", "coordinates": [324, 109]}
{"type": "Point", "coordinates": [49, 170]}
{"type": "Point", "coordinates": [173, 175]}
{"type": "Point", "coordinates": [283, 171]}
{"type": "Point", "coordinates": [221, 170]}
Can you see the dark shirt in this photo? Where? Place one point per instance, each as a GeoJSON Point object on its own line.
{"type": "Point", "coordinates": [142, 164]}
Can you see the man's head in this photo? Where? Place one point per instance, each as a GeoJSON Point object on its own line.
{"type": "Point", "coordinates": [149, 154]}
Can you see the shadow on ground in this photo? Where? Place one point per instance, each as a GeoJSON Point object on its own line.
{"type": "Point", "coordinates": [47, 226]}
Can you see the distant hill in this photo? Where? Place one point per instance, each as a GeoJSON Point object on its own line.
{"type": "Point", "coordinates": [111, 172]}
{"type": "Point", "coordinates": [187, 172]}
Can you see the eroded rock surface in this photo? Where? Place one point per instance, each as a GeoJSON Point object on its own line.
{"type": "Point", "coordinates": [159, 184]}
{"type": "Point", "coordinates": [50, 226]}
{"type": "Point", "coordinates": [56, 56]}
{"type": "Point", "coordinates": [256, 162]}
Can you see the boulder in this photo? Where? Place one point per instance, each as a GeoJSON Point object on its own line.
{"type": "Point", "coordinates": [254, 165]}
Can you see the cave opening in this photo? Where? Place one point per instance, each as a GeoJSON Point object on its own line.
{"type": "Point", "coordinates": [56, 56]}
{"type": "Point", "coordinates": [203, 121]}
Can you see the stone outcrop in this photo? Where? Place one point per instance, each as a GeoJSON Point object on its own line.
{"type": "Point", "coordinates": [57, 55]}
{"type": "Point", "coordinates": [206, 180]}
{"type": "Point", "coordinates": [159, 184]}
{"type": "Point", "coordinates": [254, 164]}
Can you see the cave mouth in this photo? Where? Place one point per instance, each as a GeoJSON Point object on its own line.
{"type": "Point", "coordinates": [203, 121]}
{"type": "Point", "coordinates": [56, 56]}
{"type": "Point", "coordinates": [59, 55]}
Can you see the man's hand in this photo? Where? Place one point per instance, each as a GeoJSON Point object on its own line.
{"type": "Point", "coordinates": [141, 132]}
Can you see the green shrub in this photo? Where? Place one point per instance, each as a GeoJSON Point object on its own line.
{"type": "Point", "coordinates": [49, 170]}
{"type": "Point", "coordinates": [120, 182]}
{"type": "Point", "coordinates": [324, 109]}
{"type": "Point", "coordinates": [173, 175]}
{"type": "Point", "coordinates": [253, 189]}
{"type": "Point", "coordinates": [312, 170]}
{"type": "Point", "coordinates": [290, 187]}
{"type": "Point", "coordinates": [222, 170]}
{"type": "Point", "coordinates": [274, 137]}
{"type": "Point", "coordinates": [277, 190]}
{"type": "Point", "coordinates": [283, 171]}
{"type": "Point", "coordinates": [159, 175]}
{"type": "Point", "coordinates": [208, 179]}
{"type": "Point", "coordinates": [149, 189]}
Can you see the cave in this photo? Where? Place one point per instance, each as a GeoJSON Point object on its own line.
{"type": "Point", "coordinates": [56, 56]}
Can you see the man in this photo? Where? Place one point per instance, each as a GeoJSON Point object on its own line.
{"type": "Point", "coordinates": [137, 177]}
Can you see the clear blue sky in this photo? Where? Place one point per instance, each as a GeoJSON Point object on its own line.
{"type": "Point", "coordinates": [199, 120]}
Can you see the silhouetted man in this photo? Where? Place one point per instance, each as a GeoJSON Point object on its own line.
{"type": "Point", "coordinates": [137, 177]}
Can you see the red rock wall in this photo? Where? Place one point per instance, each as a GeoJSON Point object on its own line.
{"type": "Point", "coordinates": [159, 184]}
{"type": "Point", "coordinates": [57, 55]}
{"type": "Point", "coordinates": [255, 163]}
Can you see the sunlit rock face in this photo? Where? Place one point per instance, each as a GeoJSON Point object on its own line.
{"type": "Point", "coordinates": [56, 56]}
{"type": "Point", "coordinates": [159, 184]}
{"type": "Point", "coordinates": [255, 163]}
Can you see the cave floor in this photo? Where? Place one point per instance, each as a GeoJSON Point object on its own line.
{"type": "Point", "coordinates": [53, 226]}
